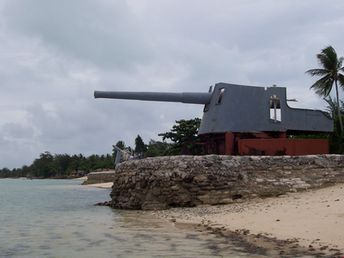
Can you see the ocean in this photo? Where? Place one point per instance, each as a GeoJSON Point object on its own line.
{"type": "Point", "coordinates": [58, 218]}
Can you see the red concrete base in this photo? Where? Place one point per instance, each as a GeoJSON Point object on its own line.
{"type": "Point", "coordinates": [262, 143]}
{"type": "Point", "coordinates": [282, 146]}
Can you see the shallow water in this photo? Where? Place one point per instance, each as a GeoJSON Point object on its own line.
{"type": "Point", "coordinates": [57, 218]}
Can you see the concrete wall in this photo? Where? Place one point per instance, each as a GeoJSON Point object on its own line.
{"type": "Point", "coordinates": [280, 146]}
{"type": "Point", "coordinates": [163, 182]}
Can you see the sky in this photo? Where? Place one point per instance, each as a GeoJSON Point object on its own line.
{"type": "Point", "coordinates": [54, 54]}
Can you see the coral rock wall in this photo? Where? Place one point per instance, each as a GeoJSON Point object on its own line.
{"type": "Point", "coordinates": [177, 181]}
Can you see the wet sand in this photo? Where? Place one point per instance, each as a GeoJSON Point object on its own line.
{"type": "Point", "coordinates": [311, 221]}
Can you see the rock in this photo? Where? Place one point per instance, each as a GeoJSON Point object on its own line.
{"type": "Point", "coordinates": [103, 204]}
{"type": "Point", "coordinates": [200, 178]}
{"type": "Point", "coordinates": [186, 181]}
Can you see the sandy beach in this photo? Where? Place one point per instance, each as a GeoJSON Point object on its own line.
{"type": "Point", "coordinates": [106, 185]}
{"type": "Point", "coordinates": [313, 219]}
{"type": "Point", "coordinates": [101, 185]}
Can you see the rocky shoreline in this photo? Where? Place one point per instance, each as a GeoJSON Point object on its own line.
{"type": "Point", "coordinates": [282, 206]}
{"type": "Point", "coordinates": [188, 181]}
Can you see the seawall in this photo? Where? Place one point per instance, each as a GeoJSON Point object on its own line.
{"type": "Point", "coordinates": [178, 181]}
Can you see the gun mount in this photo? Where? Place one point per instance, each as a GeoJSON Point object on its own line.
{"type": "Point", "coordinates": [235, 113]}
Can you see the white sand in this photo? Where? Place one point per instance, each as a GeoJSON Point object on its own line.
{"type": "Point", "coordinates": [101, 185]}
{"type": "Point", "coordinates": [81, 178]}
{"type": "Point", "coordinates": [315, 217]}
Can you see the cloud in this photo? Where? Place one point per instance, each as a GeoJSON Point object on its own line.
{"type": "Point", "coordinates": [54, 54]}
{"type": "Point", "coordinates": [101, 32]}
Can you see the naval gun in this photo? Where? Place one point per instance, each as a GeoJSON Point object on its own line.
{"type": "Point", "coordinates": [183, 97]}
{"type": "Point", "coordinates": [239, 119]}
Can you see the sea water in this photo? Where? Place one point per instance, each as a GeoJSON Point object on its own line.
{"type": "Point", "coordinates": [58, 218]}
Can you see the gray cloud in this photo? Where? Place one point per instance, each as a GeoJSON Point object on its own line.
{"type": "Point", "coordinates": [55, 53]}
{"type": "Point", "coordinates": [103, 32]}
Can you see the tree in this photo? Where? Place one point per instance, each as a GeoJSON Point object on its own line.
{"type": "Point", "coordinates": [62, 162]}
{"type": "Point", "coordinates": [336, 139]}
{"type": "Point", "coordinates": [121, 145]}
{"type": "Point", "coordinates": [184, 136]}
{"type": "Point", "coordinates": [331, 108]}
{"type": "Point", "coordinates": [331, 74]}
{"type": "Point", "coordinates": [60, 166]}
{"type": "Point", "coordinates": [140, 146]}
{"type": "Point", "coordinates": [157, 148]}
{"type": "Point", "coordinates": [44, 166]}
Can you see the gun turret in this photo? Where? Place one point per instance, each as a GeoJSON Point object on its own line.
{"type": "Point", "coordinates": [239, 108]}
{"type": "Point", "coordinates": [244, 119]}
{"type": "Point", "coordinates": [183, 97]}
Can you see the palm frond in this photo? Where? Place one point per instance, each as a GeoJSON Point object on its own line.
{"type": "Point", "coordinates": [331, 106]}
{"type": "Point", "coordinates": [323, 86]}
{"type": "Point", "coordinates": [340, 63]}
{"type": "Point", "coordinates": [341, 80]}
{"type": "Point", "coordinates": [328, 58]}
{"type": "Point", "coordinates": [318, 72]}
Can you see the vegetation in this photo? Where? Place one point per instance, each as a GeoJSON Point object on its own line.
{"type": "Point", "coordinates": [184, 137]}
{"type": "Point", "coordinates": [121, 145]}
{"type": "Point", "coordinates": [157, 148]}
{"type": "Point", "coordinates": [60, 166]}
{"type": "Point", "coordinates": [140, 147]}
{"type": "Point", "coordinates": [336, 138]}
{"type": "Point", "coordinates": [331, 73]}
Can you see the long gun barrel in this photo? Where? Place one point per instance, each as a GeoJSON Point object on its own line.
{"type": "Point", "coordinates": [183, 97]}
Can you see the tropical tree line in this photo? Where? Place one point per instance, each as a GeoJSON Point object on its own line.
{"type": "Point", "coordinates": [48, 165]}
{"type": "Point", "coordinates": [183, 139]}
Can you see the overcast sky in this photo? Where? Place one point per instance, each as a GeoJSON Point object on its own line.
{"type": "Point", "coordinates": [54, 54]}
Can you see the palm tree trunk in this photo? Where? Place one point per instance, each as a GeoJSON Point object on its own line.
{"type": "Point", "coordinates": [338, 110]}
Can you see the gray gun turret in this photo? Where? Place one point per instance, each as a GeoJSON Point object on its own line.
{"type": "Point", "coordinates": [238, 108]}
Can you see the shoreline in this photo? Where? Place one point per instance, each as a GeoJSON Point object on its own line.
{"type": "Point", "coordinates": [104, 185]}
{"type": "Point", "coordinates": [259, 243]}
{"type": "Point", "coordinates": [309, 222]}
{"type": "Point", "coordinates": [107, 185]}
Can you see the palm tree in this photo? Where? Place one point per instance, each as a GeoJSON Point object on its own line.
{"type": "Point", "coordinates": [331, 110]}
{"type": "Point", "coordinates": [330, 74]}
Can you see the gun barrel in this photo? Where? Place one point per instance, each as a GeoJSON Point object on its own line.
{"type": "Point", "coordinates": [183, 97]}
